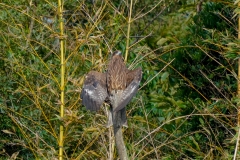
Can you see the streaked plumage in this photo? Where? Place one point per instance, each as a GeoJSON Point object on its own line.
{"type": "Point", "coordinates": [117, 86]}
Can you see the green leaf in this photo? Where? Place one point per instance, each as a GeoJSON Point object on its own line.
{"type": "Point", "coordinates": [201, 121]}
{"type": "Point", "coordinates": [164, 76]}
{"type": "Point", "coordinates": [194, 142]}
{"type": "Point", "coordinates": [162, 41]}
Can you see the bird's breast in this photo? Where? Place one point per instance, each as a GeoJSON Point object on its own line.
{"type": "Point", "coordinates": [117, 81]}
{"type": "Point", "coordinates": [116, 75]}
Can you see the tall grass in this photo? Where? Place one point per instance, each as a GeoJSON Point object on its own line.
{"type": "Point", "coordinates": [162, 124]}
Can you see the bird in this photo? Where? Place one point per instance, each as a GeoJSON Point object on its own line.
{"type": "Point", "coordinates": [116, 87]}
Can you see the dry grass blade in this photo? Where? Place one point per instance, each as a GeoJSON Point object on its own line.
{"type": "Point", "coordinates": [216, 88]}
{"type": "Point", "coordinates": [177, 118]}
{"type": "Point", "coordinates": [237, 146]}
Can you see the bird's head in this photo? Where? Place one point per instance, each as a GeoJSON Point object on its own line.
{"type": "Point", "coordinates": [119, 53]}
{"type": "Point", "coordinates": [116, 58]}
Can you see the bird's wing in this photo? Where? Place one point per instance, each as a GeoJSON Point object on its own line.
{"type": "Point", "coordinates": [94, 90]}
{"type": "Point", "coordinates": [133, 79]}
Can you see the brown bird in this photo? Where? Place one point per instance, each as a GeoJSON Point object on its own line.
{"type": "Point", "coordinates": [117, 87]}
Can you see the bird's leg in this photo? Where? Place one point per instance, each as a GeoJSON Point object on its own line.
{"type": "Point", "coordinates": [122, 114]}
{"type": "Point", "coordinates": [124, 117]}
{"type": "Point", "coordinates": [110, 122]}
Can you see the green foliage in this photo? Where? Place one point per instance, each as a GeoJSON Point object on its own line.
{"type": "Point", "coordinates": [185, 111]}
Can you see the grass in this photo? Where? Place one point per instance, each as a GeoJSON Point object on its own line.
{"type": "Point", "coordinates": [161, 125]}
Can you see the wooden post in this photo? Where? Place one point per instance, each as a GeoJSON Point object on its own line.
{"type": "Point", "coordinates": [117, 128]}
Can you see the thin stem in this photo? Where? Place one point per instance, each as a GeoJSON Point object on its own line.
{"type": "Point", "coordinates": [128, 31]}
{"type": "Point", "coordinates": [238, 92]}
{"type": "Point", "coordinates": [237, 144]}
{"type": "Point", "coordinates": [60, 7]}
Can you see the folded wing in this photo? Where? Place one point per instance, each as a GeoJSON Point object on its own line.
{"type": "Point", "coordinates": [94, 90]}
{"type": "Point", "coordinates": [133, 80]}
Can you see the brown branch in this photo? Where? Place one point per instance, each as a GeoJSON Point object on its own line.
{"type": "Point", "coordinates": [117, 128]}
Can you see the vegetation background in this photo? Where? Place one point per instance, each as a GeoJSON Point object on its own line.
{"type": "Point", "coordinates": [186, 107]}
